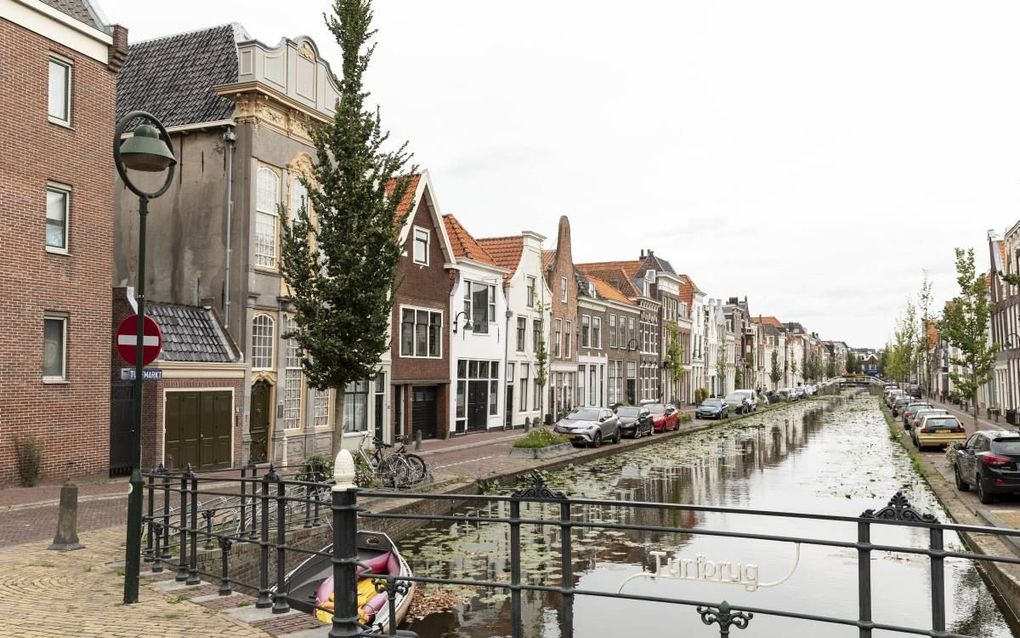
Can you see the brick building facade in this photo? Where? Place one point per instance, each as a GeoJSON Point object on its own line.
{"type": "Point", "coordinates": [56, 177]}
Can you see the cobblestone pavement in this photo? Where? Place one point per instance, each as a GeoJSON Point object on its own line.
{"type": "Point", "coordinates": [79, 593]}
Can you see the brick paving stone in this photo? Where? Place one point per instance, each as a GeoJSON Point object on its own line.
{"type": "Point", "coordinates": [228, 602]}
{"type": "Point", "coordinates": [77, 593]}
{"type": "Point", "coordinates": [289, 624]}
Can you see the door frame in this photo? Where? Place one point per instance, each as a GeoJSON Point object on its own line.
{"type": "Point", "coordinates": [233, 417]}
{"type": "Point", "coordinates": [270, 411]}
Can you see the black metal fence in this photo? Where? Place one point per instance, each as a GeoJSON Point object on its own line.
{"type": "Point", "coordinates": [194, 521]}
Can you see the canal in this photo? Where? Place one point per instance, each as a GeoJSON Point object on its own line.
{"type": "Point", "coordinates": [830, 456]}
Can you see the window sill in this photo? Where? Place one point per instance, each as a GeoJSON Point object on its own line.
{"type": "Point", "coordinates": [351, 435]}
{"type": "Point", "coordinates": [267, 270]}
{"type": "Point", "coordinates": [411, 356]}
{"type": "Point", "coordinates": [57, 251]}
{"type": "Point", "coordinates": [60, 123]}
{"type": "Point", "coordinates": [55, 381]}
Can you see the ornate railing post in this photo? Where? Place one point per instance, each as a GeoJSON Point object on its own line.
{"type": "Point", "coordinates": [157, 555]}
{"type": "Point", "coordinates": [308, 503]}
{"type": "Point", "coordinates": [345, 551]}
{"type": "Point", "coordinates": [182, 531]}
{"type": "Point", "coordinates": [193, 563]}
{"type": "Point", "coordinates": [166, 517]}
{"type": "Point", "coordinates": [225, 544]}
{"type": "Point", "coordinates": [725, 617]}
{"type": "Point", "coordinates": [208, 515]}
{"type": "Point", "coordinates": [864, 578]}
{"type": "Point", "coordinates": [244, 505]}
{"type": "Point", "coordinates": [899, 509]}
{"type": "Point", "coordinates": [263, 599]}
{"type": "Point", "coordinates": [280, 603]}
{"type": "Point", "coordinates": [254, 472]}
{"type": "Point", "coordinates": [150, 492]}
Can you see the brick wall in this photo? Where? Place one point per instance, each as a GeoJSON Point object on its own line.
{"type": "Point", "coordinates": [70, 420]}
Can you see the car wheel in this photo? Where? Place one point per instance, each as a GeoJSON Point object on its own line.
{"type": "Point", "coordinates": [618, 436]}
{"type": "Point", "coordinates": [637, 433]}
{"type": "Point", "coordinates": [960, 483]}
{"type": "Point", "coordinates": [597, 441]}
{"type": "Point", "coordinates": [982, 495]}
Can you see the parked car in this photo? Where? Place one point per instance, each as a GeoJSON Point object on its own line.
{"type": "Point", "coordinates": [900, 404]}
{"type": "Point", "coordinates": [920, 414]}
{"type": "Point", "coordinates": [988, 462]}
{"type": "Point", "coordinates": [712, 409]}
{"type": "Point", "coordinates": [911, 409]}
{"type": "Point", "coordinates": [938, 430]}
{"type": "Point", "coordinates": [772, 396]}
{"type": "Point", "coordinates": [737, 403]}
{"type": "Point", "coordinates": [752, 397]}
{"type": "Point", "coordinates": [589, 426]}
{"type": "Point", "coordinates": [664, 416]}
{"type": "Point", "coordinates": [635, 421]}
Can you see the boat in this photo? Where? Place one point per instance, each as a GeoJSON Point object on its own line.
{"type": "Point", "coordinates": [310, 584]}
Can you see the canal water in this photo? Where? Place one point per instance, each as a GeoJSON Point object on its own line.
{"type": "Point", "coordinates": [830, 456]}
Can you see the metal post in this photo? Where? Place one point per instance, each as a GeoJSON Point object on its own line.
{"type": "Point", "coordinates": [263, 599]}
{"type": "Point", "coordinates": [308, 503]}
{"type": "Point", "coordinates": [938, 580]}
{"type": "Point", "coordinates": [254, 500]}
{"type": "Point", "coordinates": [157, 559]}
{"type": "Point", "coordinates": [150, 490]}
{"type": "Point", "coordinates": [208, 516]}
{"type": "Point", "coordinates": [515, 567]}
{"type": "Point", "coordinates": [166, 517]}
{"type": "Point", "coordinates": [182, 531]}
{"type": "Point", "coordinates": [567, 570]}
{"type": "Point", "coordinates": [280, 603]}
{"type": "Point", "coordinates": [345, 557]}
{"type": "Point", "coordinates": [193, 566]}
{"type": "Point", "coordinates": [225, 544]}
{"type": "Point", "coordinates": [133, 546]}
{"type": "Point", "coordinates": [317, 520]}
{"type": "Point", "coordinates": [244, 522]}
{"type": "Point", "coordinates": [864, 577]}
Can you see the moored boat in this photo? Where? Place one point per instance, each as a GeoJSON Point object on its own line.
{"type": "Point", "coordinates": [310, 584]}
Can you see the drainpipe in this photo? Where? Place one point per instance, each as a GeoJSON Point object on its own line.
{"type": "Point", "coordinates": [229, 139]}
{"type": "Point", "coordinates": [507, 408]}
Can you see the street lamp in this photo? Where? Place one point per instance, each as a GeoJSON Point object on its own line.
{"type": "Point", "coordinates": [456, 321]}
{"type": "Point", "coordinates": [148, 149]}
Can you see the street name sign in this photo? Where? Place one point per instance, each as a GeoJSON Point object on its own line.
{"type": "Point", "coordinates": [148, 374]}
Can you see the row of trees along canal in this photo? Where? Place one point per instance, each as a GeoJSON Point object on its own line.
{"type": "Point", "coordinates": [962, 324]}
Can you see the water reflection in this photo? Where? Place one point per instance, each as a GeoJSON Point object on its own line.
{"type": "Point", "coordinates": [832, 457]}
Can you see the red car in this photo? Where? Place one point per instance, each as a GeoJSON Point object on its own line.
{"type": "Point", "coordinates": [665, 417]}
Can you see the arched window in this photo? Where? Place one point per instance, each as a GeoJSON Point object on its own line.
{"type": "Point", "coordinates": [267, 198]}
{"type": "Point", "coordinates": [262, 329]}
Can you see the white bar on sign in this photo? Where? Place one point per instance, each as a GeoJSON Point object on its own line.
{"type": "Point", "coordinates": [130, 340]}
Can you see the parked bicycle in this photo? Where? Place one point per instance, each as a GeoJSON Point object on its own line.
{"type": "Point", "coordinates": [400, 469]}
{"type": "Point", "coordinates": [419, 470]}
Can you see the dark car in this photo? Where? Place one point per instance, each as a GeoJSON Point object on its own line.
{"type": "Point", "coordinates": [664, 416]}
{"type": "Point", "coordinates": [911, 410]}
{"type": "Point", "coordinates": [635, 421]}
{"type": "Point", "coordinates": [590, 426]}
{"type": "Point", "coordinates": [900, 404]}
{"type": "Point", "coordinates": [712, 409]}
{"type": "Point", "coordinates": [989, 462]}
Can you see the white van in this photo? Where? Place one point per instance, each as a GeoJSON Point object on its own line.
{"type": "Point", "coordinates": [752, 397]}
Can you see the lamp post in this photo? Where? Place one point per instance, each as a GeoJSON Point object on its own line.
{"type": "Point", "coordinates": [148, 149]}
{"type": "Point", "coordinates": [456, 321]}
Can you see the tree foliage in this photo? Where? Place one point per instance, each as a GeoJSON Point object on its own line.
{"type": "Point", "coordinates": [674, 357]}
{"type": "Point", "coordinates": [340, 252]}
{"type": "Point", "coordinates": [775, 373]}
{"type": "Point", "coordinates": [964, 325]}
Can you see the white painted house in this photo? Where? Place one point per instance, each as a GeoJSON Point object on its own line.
{"type": "Point", "coordinates": [479, 335]}
{"type": "Point", "coordinates": [526, 293]}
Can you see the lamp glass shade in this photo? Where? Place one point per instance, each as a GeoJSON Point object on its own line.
{"type": "Point", "coordinates": [468, 325]}
{"type": "Point", "coordinates": [145, 151]}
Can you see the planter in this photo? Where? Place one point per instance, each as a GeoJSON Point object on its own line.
{"type": "Point", "coordinates": [547, 452]}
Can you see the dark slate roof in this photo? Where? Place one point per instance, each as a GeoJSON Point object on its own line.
{"type": "Point", "coordinates": [191, 333]}
{"type": "Point", "coordinates": [173, 77]}
{"type": "Point", "coordinates": [77, 9]}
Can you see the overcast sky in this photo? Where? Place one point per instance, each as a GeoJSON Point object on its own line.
{"type": "Point", "coordinates": [813, 156]}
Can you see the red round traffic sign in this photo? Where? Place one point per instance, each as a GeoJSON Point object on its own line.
{"type": "Point", "coordinates": [126, 339]}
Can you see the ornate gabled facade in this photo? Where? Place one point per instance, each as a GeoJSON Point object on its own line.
{"type": "Point", "coordinates": [238, 112]}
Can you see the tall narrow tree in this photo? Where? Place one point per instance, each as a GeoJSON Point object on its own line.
{"type": "Point", "coordinates": [340, 252]}
{"type": "Point", "coordinates": [674, 356]}
{"type": "Point", "coordinates": [775, 374]}
{"type": "Point", "coordinates": [965, 326]}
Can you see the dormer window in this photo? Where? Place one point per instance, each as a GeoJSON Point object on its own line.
{"type": "Point", "coordinates": [591, 289]}
{"type": "Point", "coordinates": [421, 246]}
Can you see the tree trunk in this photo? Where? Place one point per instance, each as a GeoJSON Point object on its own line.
{"type": "Point", "coordinates": [338, 424]}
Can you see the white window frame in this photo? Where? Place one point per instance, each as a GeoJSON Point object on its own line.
{"type": "Point", "coordinates": [470, 287]}
{"type": "Point", "coordinates": [532, 291]}
{"type": "Point", "coordinates": [420, 234]}
{"type": "Point", "coordinates": [612, 331]}
{"type": "Point", "coordinates": [65, 190]}
{"type": "Point", "coordinates": [568, 336]}
{"type": "Point", "coordinates": [522, 335]}
{"type": "Point", "coordinates": [271, 340]}
{"type": "Point", "coordinates": [558, 351]}
{"type": "Point", "coordinates": [563, 289]}
{"type": "Point", "coordinates": [428, 326]}
{"type": "Point", "coordinates": [318, 397]}
{"type": "Point", "coordinates": [265, 214]}
{"type": "Point", "coordinates": [62, 377]}
{"type": "Point", "coordinates": [291, 370]}
{"type": "Point", "coordinates": [68, 65]}
{"type": "Point", "coordinates": [596, 332]}
{"type": "Point", "coordinates": [585, 331]}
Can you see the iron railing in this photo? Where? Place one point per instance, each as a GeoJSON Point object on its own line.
{"type": "Point", "coordinates": [272, 508]}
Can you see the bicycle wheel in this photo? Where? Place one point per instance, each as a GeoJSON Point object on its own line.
{"type": "Point", "coordinates": [395, 471]}
{"type": "Point", "coordinates": [417, 466]}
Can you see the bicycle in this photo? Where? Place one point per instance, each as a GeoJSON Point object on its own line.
{"type": "Point", "coordinates": [393, 470]}
{"type": "Point", "coordinates": [419, 470]}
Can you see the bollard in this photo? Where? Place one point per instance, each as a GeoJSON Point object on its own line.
{"type": "Point", "coordinates": [225, 544]}
{"type": "Point", "coordinates": [66, 537]}
{"type": "Point", "coordinates": [264, 600]}
{"type": "Point", "coordinates": [417, 440]}
{"type": "Point", "coordinates": [157, 556]}
{"type": "Point", "coordinates": [527, 424]}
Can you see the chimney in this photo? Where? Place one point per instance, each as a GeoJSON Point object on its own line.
{"type": "Point", "coordinates": [118, 50]}
{"type": "Point", "coordinates": [642, 253]}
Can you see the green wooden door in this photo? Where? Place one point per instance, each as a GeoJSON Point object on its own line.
{"type": "Point", "coordinates": [198, 430]}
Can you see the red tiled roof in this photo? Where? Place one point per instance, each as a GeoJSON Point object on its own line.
{"type": "Point", "coordinates": [617, 277]}
{"type": "Point", "coordinates": [547, 258]}
{"type": "Point", "coordinates": [770, 321]}
{"type": "Point", "coordinates": [464, 245]}
{"type": "Point", "coordinates": [506, 251]}
{"type": "Point", "coordinates": [631, 267]}
{"type": "Point", "coordinates": [933, 333]}
{"type": "Point", "coordinates": [605, 290]}
{"type": "Point", "coordinates": [405, 204]}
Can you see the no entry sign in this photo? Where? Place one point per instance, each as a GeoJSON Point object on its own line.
{"type": "Point", "coordinates": [127, 340]}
